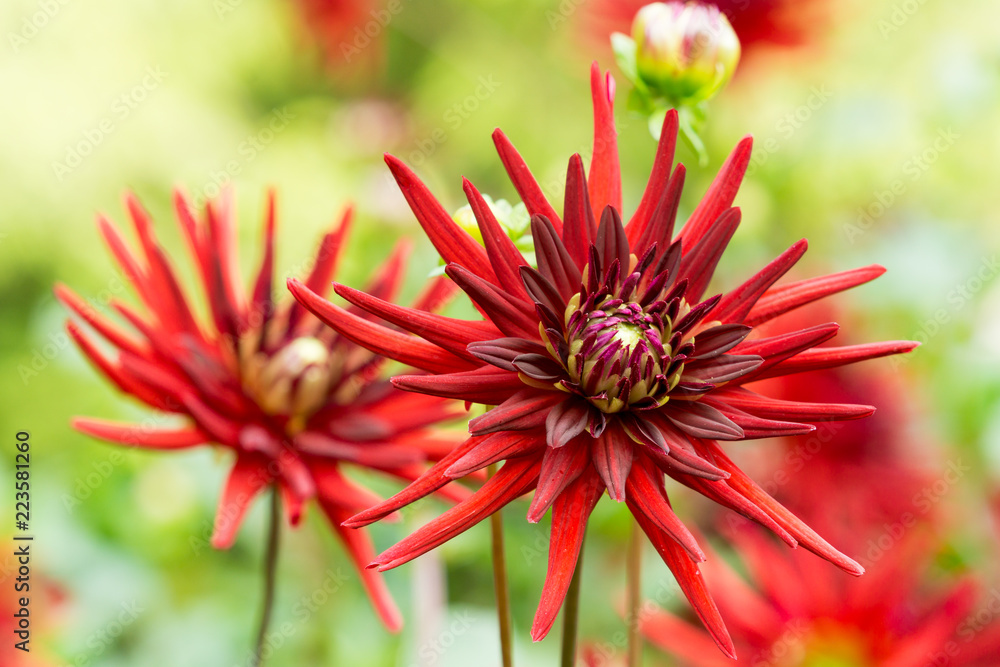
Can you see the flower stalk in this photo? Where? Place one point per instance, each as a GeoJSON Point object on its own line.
{"type": "Point", "coordinates": [571, 616]}
{"type": "Point", "coordinates": [633, 579]}
{"type": "Point", "coordinates": [500, 583]}
{"type": "Point", "coordinates": [270, 576]}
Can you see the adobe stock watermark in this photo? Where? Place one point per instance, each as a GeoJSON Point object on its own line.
{"type": "Point", "coordinates": [431, 650]}
{"type": "Point", "coordinates": [365, 34]}
{"type": "Point", "coordinates": [562, 13]}
{"type": "Point", "coordinates": [34, 24]}
{"type": "Point", "coordinates": [302, 611]}
{"type": "Point", "coordinates": [58, 341]}
{"type": "Point", "coordinates": [453, 118]}
{"type": "Point", "coordinates": [246, 152]}
{"type": "Point", "coordinates": [923, 502]}
{"type": "Point", "coordinates": [958, 297]}
{"type": "Point", "coordinates": [898, 16]}
{"type": "Point", "coordinates": [85, 484]}
{"type": "Point", "coordinates": [121, 108]}
{"type": "Point", "coordinates": [101, 640]}
{"type": "Point", "coordinates": [913, 168]}
{"type": "Point", "coordinates": [786, 126]}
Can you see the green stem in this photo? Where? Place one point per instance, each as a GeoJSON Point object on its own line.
{"type": "Point", "coordinates": [270, 575]}
{"type": "Point", "coordinates": [633, 579]}
{"type": "Point", "coordinates": [571, 615]}
{"type": "Point", "coordinates": [500, 582]}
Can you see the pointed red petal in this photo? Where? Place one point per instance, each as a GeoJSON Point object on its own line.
{"type": "Point", "coordinates": [452, 242]}
{"type": "Point", "coordinates": [514, 479]}
{"type": "Point", "coordinates": [359, 547]}
{"type": "Point", "coordinates": [524, 410]}
{"type": "Point", "coordinates": [699, 262]}
{"type": "Point", "coordinates": [560, 467]}
{"type": "Point", "coordinates": [720, 194]}
{"type": "Point", "coordinates": [659, 176]}
{"type": "Point", "coordinates": [110, 331]}
{"type": "Point", "coordinates": [805, 535]}
{"type": "Point", "coordinates": [831, 357]}
{"type": "Point", "coordinates": [569, 523]}
{"type": "Point", "coordinates": [736, 304]}
{"type": "Point", "coordinates": [775, 349]}
{"type": "Point", "coordinates": [262, 304]}
{"type": "Point", "coordinates": [648, 495]}
{"type": "Point", "coordinates": [773, 408]}
{"type": "Point", "coordinates": [689, 578]}
{"type": "Point", "coordinates": [660, 227]}
{"type": "Point", "coordinates": [782, 299]}
{"type": "Point", "coordinates": [510, 315]}
{"type": "Point", "coordinates": [504, 255]}
{"type": "Point", "coordinates": [579, 226]}
{"type": "Point", "coordinates": [427, 483]}
{"type": "Point", "coordinates": [487, 385]}
{"type": "Point", "coordinates": [525, 184]}
{"type": "Point", "coordinates": [605, 180]}
{"type": "Point", "coordinates": [446, 332]}
{"type": "Point", "coordinates": [246, 480]}
{"type": "Point", "coordinates": [393, 344]}
{"type": "Point", "coordinates": [612, 454]}
{"type": "Point", "coordinates": [493, 448]}
{"type": "Point", "coordinates": [140, 435]}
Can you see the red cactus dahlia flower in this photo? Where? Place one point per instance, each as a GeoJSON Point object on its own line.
{"type": "Point", "coordinates": [898, 615]}
{"type": "Point", "coordinates": [292, 399]}
{"type": "Point", "coordinates": [608, 366]}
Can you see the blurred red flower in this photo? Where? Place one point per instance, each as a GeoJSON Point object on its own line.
{"type": "Point", "coordinates": [758, 23]}
{"type": "Point", "coordinates": [292, 399]}
{"type": "Point", "coordinates": [608, 366]}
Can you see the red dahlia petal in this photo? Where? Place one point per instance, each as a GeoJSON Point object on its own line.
{"type": "Point", "coordinates": [612, 454]}
{"type": "Point", "coordinates": [649, 496]}
{"type": "Point", "coordinates": [579, 226]}
{"type": "Point", "coordinates": [660, 228]}
{"type": "Point", "coordinates": [393, 344]}
{"type": "Point", "coordinates": [773, 408]}
{"type": "Point", "coordinates": [605, 181]}
{"type": "Point", "coordinates": [687, 575]}
{"type": "Point", "coordinates": [510, 315]}
{"type": "Point", "coordinates": [831, 357]}
{"type": "Point", "coordinates": [736, 304]}
{"type": "Point", "coordinates": [560, 467]}
{"type": "Point", "coordinates": [569, 523]}
{"type": "Point", "coordinates": [554, 261]}
{"type": "Point", "coordinates": [514, 479]}
{"type": "Point", "coordinates": [805, 535]}
{"type": "Point", "coordinates": [525, 184]}
{"type": "Point", "coordinates": [486, 385]}
{"type": "Point", "coordinates": [504, 255]}
{"type": "Point", "coordinates": [429, 482]}
{"type": "Point", "coordinates": [784, 298]}
{"type": "Point", "coordinates": [657, 183]}
{"type": "Point", "coordinates": [699, 261]}
{"type": "Point", "coordinates": [526, 409]}
{"type": "Point", "coordinates": [140, 435]}
{"type": "Point", "coordinates": [246, 480]}
{"type": "Point", "coordinates": [445, 332]}
{"type": "Point", "coordinates": [493, 448]}
{"type": "Point", "coordinates": [720, 194]}
{"type": "Point", "coordinates": [359, 547]}
{"type": "Point", "coordinates": [452, 242]}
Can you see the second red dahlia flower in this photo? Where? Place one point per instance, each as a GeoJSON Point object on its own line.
{"type": "Point", "coordinates": [295, 402]}
{"type": "Point", "coordinates": [608, 365]}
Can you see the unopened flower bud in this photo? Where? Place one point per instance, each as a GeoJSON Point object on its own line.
{"type": "Point", "coordinates": [685, 52]}
{"type": "Point", "coordinates": [294, 382]}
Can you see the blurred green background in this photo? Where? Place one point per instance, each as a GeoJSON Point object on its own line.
{"type": "Point", "coordinates": [877, 142]}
